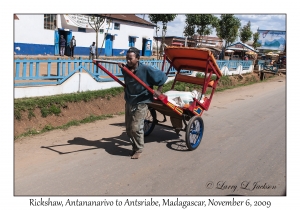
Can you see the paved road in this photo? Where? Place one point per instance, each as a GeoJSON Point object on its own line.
{"type": "Point", "coordinates": [243, 152]}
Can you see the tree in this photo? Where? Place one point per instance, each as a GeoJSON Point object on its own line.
{"type": "Point", "coordinates": [200, 23]}
{"type": "Point", "coordinates": [164, 18]}
{"type": "Point", "coordinates": [227, 29]}
{"type": "Point", "coordinates": [245, 33]}
{"type": "Point", "coordinates": [96, 21]}
{"type": "Point", "coordinates": [255, 40]}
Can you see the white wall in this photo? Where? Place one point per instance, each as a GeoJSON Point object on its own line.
{"type": "Point", "coordinates": [121, 41]}
{"type": "Point", "coordinates": [83, 39]}
{"type": "Point", "coordinates": [79, 82]}
{"type": "Point", "coordinates": [239, 70]}
{"type": "Point", "coordinates": [30, 29]}
{"type": "Point", "coordinates": [226, 72]}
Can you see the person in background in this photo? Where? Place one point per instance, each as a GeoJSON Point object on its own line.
{"type": "Point", "coordinates": [62, 45]}
{"type": "Point", "coordinates": [92, 51]}
{"type": "Point", "coordinates": [72, 46]}
{"type": "Point", "coordinates": [137, 96]}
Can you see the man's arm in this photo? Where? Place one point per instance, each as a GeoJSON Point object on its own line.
{"type": "Point", "coordinates": [160, 88]}
{"type": "Point", "coordinates": [158, 92]}
{"type": "Point", "coordinates": [156, 77]}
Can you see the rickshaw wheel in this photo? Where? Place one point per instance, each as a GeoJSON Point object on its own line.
{"type": "Point", "coordinates": [194, 132]}
{"type": "Point", "coordinates": [149, 122]}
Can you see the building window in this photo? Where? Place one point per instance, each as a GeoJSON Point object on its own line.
{"type": "Point", "coordinates": [131, 42]}
{"type": "Point", "coordinates": [101, 31]}
{"type": "Point", "coordinates": [117, 26]}
{"type": "Point", "coordinates": [50, 22]}
{"type": "Point", "coordinates": [81, 29]}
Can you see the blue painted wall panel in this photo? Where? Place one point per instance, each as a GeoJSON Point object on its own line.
{"type": "Point", "coordinates": [36, 49]}
{"type": "Point", "coordinates": [33, 49]}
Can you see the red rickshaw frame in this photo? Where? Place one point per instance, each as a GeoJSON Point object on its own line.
{"type": "Point", "coordinates": [181, 58]}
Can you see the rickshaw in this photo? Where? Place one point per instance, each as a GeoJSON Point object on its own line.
{"type": "Point", "coordinates": [181, 59]}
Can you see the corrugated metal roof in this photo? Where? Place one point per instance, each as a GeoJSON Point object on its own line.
{"type": "Point", "coordinates": [240, 43]}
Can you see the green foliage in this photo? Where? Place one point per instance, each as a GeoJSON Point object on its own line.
{"type": "Point", "coordinates": [245, 32]}
{"type": "Point", "coordinates": [225, 81]}
{"type": "Point", "coordinates": [203, 24]}
{"type": "Point", "coordinates": [228, 28]}
{"type": "Point", "coordinates": [17, 114]}
{"type": "Point", "coordinates": [30, 114]}
{"type": "Point", "coordinates": [255, 40]}
{"type": "Point", "coordinates": [30, 132]}
{"type": "Point", "coordinates": [47, 128]}
{"type": "Point", "coordinates": [71, 123]}
{"type": "Point", "coordinates": [44, 111]}
{"type": "Point", "coordinates": [54, 110]}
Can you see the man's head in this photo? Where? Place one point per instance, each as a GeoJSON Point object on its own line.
{"type": "Point", "coordinates": [73, 37]}
{"type": "Point", "coordinates": [61, 36]}
{"type": "Point", "coordinates": [93, 43]}
{"type": "Point", "coordinates": [132, 57]}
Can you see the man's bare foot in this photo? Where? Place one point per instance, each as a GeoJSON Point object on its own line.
{"type": "Point", "coordinates": [136, 155]}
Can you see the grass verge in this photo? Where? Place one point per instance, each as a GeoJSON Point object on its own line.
{"type": "Point", "coordinates": [53, 104]}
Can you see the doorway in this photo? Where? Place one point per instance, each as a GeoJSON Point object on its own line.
{"type": "Point", "coordinates": [108, 45]}
{"type": "Point", "coordinates": [147, 47]}
{"type": "Point", "coordinates": [67, 35]}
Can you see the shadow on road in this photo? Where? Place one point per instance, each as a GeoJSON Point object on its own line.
{"type": "Point", "coordinates": [115, 145]}
{"type": "Point", "coordinates": [166, 135]}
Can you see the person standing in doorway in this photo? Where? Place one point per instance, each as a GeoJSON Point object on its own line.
{"type": "Point", "coordinates": [137, 96]}
{"type": "Point", "coordinates": [92, 51]}
{"type": "Point", "coordinates": [62, 45]}
{"type": "Point", "coordinates": [72, 46]}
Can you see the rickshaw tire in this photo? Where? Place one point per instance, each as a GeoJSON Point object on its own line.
{"type": "Point", "coordinates": [154, 120]}
{"type": "Point", "coordinates": [194, 130]}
